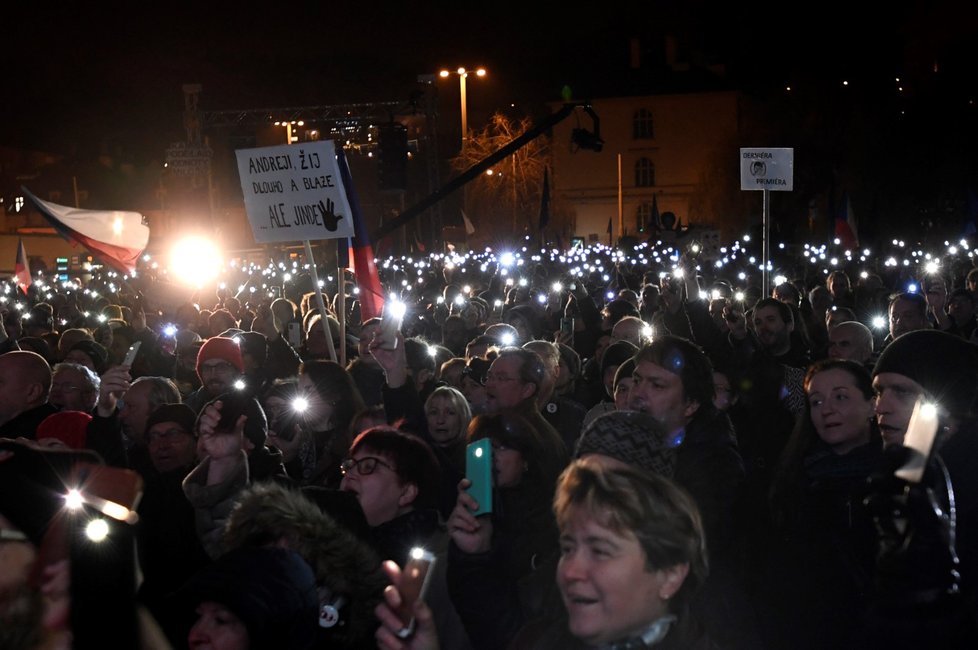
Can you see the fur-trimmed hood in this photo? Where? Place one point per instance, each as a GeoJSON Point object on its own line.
{"type": "Point", "coordinates": [268, 513]}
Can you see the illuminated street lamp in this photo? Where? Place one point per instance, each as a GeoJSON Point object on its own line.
{"type": "Point", "coordinates": [289, 138]}
{"type": "Point", "coordinates": [462, 74]}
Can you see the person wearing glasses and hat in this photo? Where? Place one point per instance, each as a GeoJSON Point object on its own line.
{"type": "Point", "coordinates": [395, 477]}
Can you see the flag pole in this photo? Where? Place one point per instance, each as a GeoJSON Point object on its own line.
{"type": "Point", "coordinates": [319, 300]}
{"type": "Point", "coordinates": [341, 301]}
{"type": "Point", "coordinates": [765, 241]}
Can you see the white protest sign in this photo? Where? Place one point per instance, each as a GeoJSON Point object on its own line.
{"type": "Point", "coordinates": [767, 169]}
{"type": "Point", "coordinates": [294, 192]}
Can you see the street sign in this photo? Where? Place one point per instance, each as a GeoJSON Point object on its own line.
{"type": "Point", "coordinates": [767, 169]}
{"type": "Point", "coordinates": [294, 192]}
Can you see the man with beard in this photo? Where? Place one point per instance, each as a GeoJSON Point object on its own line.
{"type": "Point", "coordinates": [773, 324]}
{"type": "Point", "coordinates": [219, 366]}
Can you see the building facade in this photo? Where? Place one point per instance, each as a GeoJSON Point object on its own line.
{"type": "Point", "coordinates": [662, 154]}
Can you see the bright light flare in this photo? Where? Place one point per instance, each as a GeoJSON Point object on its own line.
{"type": "Point", "coordinates": [97, 530]}
{"type": "Point", "coordinates": [195, 260]}
{"type": "Point", "coordinates": [73, 500]}
{"type": "Point", "coordinates": [398, 309]}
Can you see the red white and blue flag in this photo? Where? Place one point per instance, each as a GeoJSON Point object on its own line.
{"type": "Point", "coordinates": [115, 237]}
{"type": "Point", "coordinates": [845, 225]}
{"type": "Point", "coordinates": [22, 270]}
{"type": "Point", "coordinates": [364, 268]}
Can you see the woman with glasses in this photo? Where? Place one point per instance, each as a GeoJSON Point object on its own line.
{"type": "Point", "coordinates": [395, 477]}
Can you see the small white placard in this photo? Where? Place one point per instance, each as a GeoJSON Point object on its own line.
{"type": "Point", "coordinates": [767, 169]}
{"type": "Point", "coordinates": [294, 192]}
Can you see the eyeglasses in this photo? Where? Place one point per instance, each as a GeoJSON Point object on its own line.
{"type": "Point", "coordinates": [222, 367]}
{"type": "Point", "coordinates": [365, 466]}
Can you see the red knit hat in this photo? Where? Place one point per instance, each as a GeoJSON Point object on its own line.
{"type": "Point", "coordinates": [67, 426]}
{"type": "Point", "coordinates": [219, 347]}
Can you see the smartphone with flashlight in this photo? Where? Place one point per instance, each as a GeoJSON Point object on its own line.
{"type": "Point", "coordinates": [131, 354]}
{"type": "Point", "coordinates": [478, 469]}
{"type": "Point", "coordinates": [415, 579]}
{"type": "Point", "coordinates": [921, 432]}
{"type": "Point", "coordinates": [390, 324]}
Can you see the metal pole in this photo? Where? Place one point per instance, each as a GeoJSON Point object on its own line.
{"type": "Point", "coordinates": [341, 304]}
{"type": "Point", "coordinates": [465, 118]}
{"type": "Point", "coordinates": [765, 245]}
{"type": "Point", "coordinates": [621, 214]}
{"type": "Point", "coordinates": [319, 300]}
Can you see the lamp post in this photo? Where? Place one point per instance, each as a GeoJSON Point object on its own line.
{"type": "Point", "coordinates": [462, 75]}
{"type": "Point", "coordinates": [289, 138]}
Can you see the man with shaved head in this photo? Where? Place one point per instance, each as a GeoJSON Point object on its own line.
{"type": "Point", "coordinates": [25, 381]}
{"type": "Point", "coordinates": [851, 340]}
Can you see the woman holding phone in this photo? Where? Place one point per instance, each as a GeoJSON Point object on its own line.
{"type": "Point", "coordinates": [632, 555]}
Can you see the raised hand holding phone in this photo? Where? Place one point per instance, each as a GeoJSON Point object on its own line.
{"type": "Point", "coordinates": [424, 636]}
{"type": "Point", "coordinates": [131, 354]}
{"type": "Point", "coordinates": [415, 578]}
{"type": "Point", "coordinates": [478, 470]}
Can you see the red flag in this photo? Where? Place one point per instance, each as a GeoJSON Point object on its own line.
{"type": "Point", "coordinates": [368, 281]}
{"type": "Point", "coordinates": [22, 270]}
{"type": "Point", "coordinates": [117, 238]}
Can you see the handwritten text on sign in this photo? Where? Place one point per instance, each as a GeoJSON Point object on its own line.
{"type": "Point", "coordinates": [294, 192]}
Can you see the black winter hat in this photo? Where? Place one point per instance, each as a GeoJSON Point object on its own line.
{"type": "Point", "coordinates": [945, 365]}
{"type": "Point", "coordinates": [616, 354]}
{"type": "Point", "coordinates": [95, 350]}
{"type": "Point", "coordinates": [272, 591]}
{"type": "Point", "coordinates": [179, 413]}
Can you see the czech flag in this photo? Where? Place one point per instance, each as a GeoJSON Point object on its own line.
{"type": "Point", "coordinates": [845, 225]}
{"type": "Point", "coordinates": [22, 270]}
{"type": "Point", "coordinates": [364, 268]}
{"type": "Point", "coordinates": [117, 238]}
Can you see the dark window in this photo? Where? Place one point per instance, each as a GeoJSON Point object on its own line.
{"type": "Point", "coordinates": [644, 173]}
{"type": "Point", "coordinates": [642, 125]}
{"type": "Point", "coordinates": [642, 216]}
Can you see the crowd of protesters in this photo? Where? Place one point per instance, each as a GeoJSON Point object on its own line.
{"type": "Point", "coordinates": [678, 460]}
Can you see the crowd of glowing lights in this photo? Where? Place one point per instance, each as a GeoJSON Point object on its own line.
{"type": "Point", "coordinates": [900, 264]}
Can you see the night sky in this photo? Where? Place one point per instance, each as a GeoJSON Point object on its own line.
{"type": "Point", "coordinates": [99, 74]}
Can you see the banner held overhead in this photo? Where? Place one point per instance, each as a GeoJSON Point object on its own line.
{"type": "Point", "coordinates": [294, 193]}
